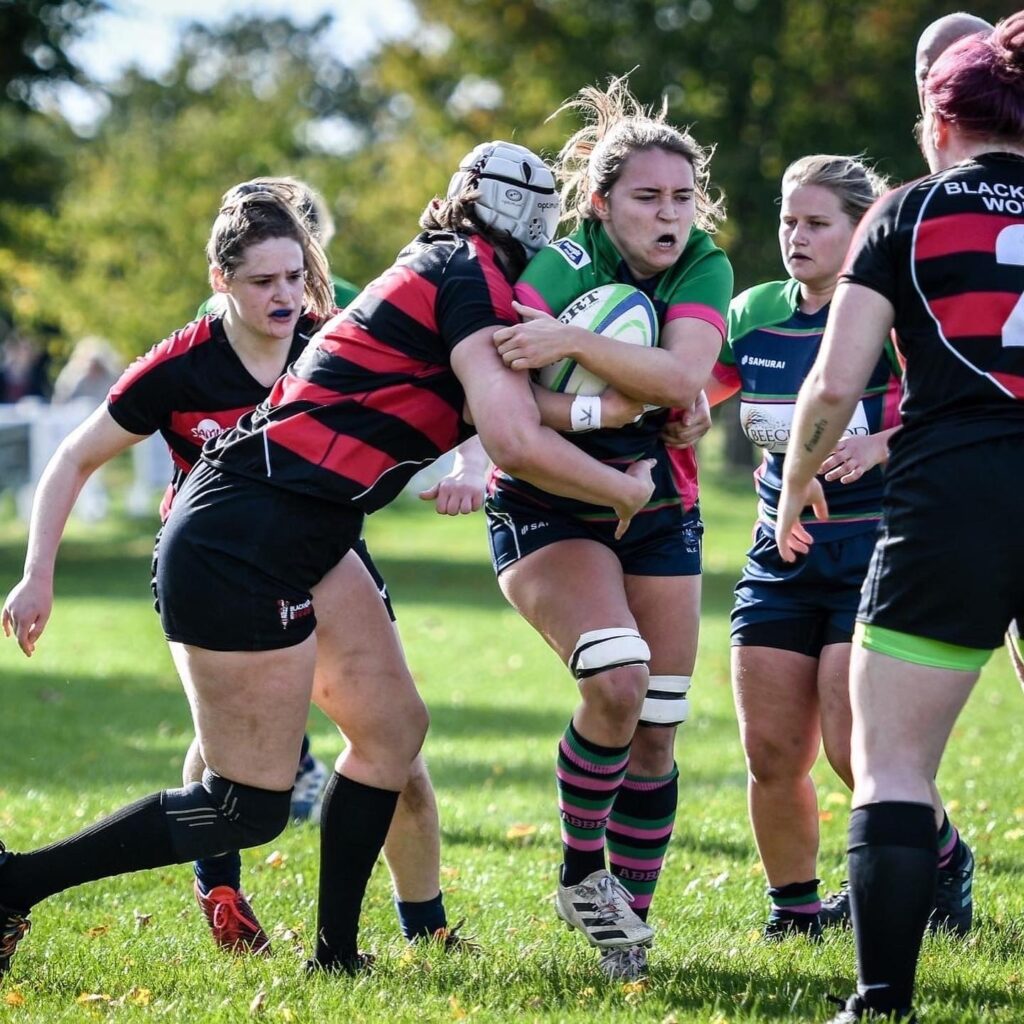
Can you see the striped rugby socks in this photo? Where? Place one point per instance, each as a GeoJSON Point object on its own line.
{"type": "Point", "coordinates": [588, 778]}
{"type": "Point", "coordinates": [639, 830]}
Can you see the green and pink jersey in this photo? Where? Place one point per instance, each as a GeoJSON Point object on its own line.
{"type": "Point", "coordinates": [698, 285]}
{"type": "Point", "coordinates": [770, 348]}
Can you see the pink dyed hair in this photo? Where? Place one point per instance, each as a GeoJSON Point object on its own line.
{"type": "Point", "coordinates": [978, 83]}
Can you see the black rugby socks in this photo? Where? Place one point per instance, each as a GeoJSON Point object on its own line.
{"type": "Point", "coordinates": [892, 858]}
{"type": "Point", "coordinates": [353, 825]}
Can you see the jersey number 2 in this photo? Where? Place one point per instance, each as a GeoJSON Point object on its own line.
{"type": "Point", "coordinates": [1010, 250]}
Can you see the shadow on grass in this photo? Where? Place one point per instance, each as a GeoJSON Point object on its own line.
{"type": "Point", "coordinates": [105, 730]}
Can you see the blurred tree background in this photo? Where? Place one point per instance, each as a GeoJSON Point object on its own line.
{"type": "Point", "coordinates": [105, 233]}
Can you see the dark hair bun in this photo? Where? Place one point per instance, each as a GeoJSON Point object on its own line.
{"type": "Point", "coordinates": [1008, 44]}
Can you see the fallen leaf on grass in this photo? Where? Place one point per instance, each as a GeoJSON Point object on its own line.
{"type": "Point", "coordinates": [14, 998]}
{"type": "Point", "coordinates": [520, 832]}
{"type": "Point", "coordinates": [138, 996]}
{"type": "Point", "coordinates": [98, 932]}
{"type": "Point", "coordinates": [92, 998]}
{"type": "Point", "coordinates": [258, 1002]}
{"type": "Point", "coordinates": [456, 1007]}
{"type": "Point", "coordinates": [276, 859]}
{"type": "Point", "coordinates": [141, 920]}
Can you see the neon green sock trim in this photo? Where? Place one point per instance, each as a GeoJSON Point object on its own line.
{"type": "Point", "coordinates": [919, 650]}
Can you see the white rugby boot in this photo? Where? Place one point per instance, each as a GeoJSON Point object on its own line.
{"type": "Point", "coordinates": [599, 907]}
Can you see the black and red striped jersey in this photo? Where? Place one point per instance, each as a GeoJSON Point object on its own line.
{"type": "Point", "coordinates": [374, 397]}
{"type": "Point", "coordinates": [190, 387]}
{"type": "Point", "coordinates": [948, 252]}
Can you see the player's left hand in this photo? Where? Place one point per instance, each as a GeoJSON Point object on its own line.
{"type": "Point", "coordinates": [792, 538]}
{"type": "Point", "coordinates": [458, 493]}
{"type": "Point", "coordinates": [539, 340]}
{"type": "Point", "coordinates": [685, 427]}
{"type": "Point", "coordinates": [853, 457]}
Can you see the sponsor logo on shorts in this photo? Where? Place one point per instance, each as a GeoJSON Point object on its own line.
{"type": "Point", "coordinates": [530, 527]}
{"type": "Point", "coordinates": [288, 612]}
{"type": "Point", "coordinates": [574, 254]}
{"type": "Point", "coordinates": [771, 364]}
{"type": "Point", "coordinates": [205, 429]}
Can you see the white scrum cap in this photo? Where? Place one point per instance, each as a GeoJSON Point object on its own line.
{"type": "Point", "coordinates": [517, 191]}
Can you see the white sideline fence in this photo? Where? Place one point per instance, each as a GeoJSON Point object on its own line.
{"type": "Point", "coordinates": [33, 430]}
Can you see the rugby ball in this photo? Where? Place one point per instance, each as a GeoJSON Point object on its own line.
{"type": "Point", "coordinates": [616, 311]}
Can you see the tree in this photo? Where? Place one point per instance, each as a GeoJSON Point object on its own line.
{"type": "Point", "coordinates": [238, 102]}
{"type": "Point", "coordinates": [35, 147]}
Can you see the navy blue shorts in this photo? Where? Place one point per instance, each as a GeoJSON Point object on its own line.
{"type": "Point", "coordinates": [238, 558]}
{"type": "Point", "coordinates": [805, 605]}
{"type": "Point", "coordinates": [666, 542]}
{"type": "Point", "coordinates": [950, 559]}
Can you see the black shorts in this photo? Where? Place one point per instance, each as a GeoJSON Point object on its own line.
{"type": "Point", "coordinates": [666, 542]}
{"type": "Point", "coordinates": [238, 558]}
{"type": "Point", "coordinates": [949, 564]}
{"type": "Point", "coordinates": [804, 605]}
{"type": "Point", "coordinates": [359, 548]}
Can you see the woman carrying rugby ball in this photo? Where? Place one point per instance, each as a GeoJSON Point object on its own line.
{"type": "Point", "coordinates": [637, 189]}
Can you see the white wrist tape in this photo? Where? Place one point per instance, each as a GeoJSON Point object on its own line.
{"type": "Point", "coordinates": [585, 413]}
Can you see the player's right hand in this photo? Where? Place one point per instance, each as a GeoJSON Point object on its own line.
{"type": "Point", "coordinates": [640, 493]}
{"type": "Point", "coordinates": [26, 612]}
{"type": "Point", "coordinates": [619, 410]}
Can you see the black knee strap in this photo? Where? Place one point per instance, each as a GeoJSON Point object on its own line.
{"type": "Point", "coordinates": [218, 815]}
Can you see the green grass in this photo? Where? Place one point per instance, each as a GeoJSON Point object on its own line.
{"type": "Point", "coordinates": [96, 718]}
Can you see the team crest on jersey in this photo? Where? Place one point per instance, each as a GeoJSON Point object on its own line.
{"type": "Point", "coordinates": [205, 429]}
{"type": "Point", "coordinates": [575, 255]}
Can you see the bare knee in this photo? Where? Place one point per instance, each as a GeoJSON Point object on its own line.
{"type": "Point", "coordinates": [653, 750]}
{"type": "Point", "coordinates": [773, 758]}
{"type": "Point", "coordinates": [616, 695]}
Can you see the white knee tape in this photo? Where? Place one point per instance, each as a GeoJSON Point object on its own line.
{"type": "Point", "coordinates": [666, 702]}
{"type": "Point", "coordinates": [601, 649]}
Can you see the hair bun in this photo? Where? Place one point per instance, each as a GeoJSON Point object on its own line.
{"type": "Point", "coordinates": [1008, 42]}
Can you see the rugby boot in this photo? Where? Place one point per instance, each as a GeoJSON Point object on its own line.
{"type": "Point", "coordinates": [14, 927]}
{"type": "Point", "coordinates": [954, 904]}
{"type": "Point", "coordinates": [784, 924]}
{"type": "Point", "coordinates": [599, 907]}
{"type": "Point", "coordinates": [835, 908]}
{"type": "Point", "coordinates": [357, 964]}
{"type": "Point", "coordinates": [306, 795]}
{"type": "Point", "coordinates": [232, 921]}
{"type": "Point", "coordinates": [853, 1009]}
{"type": "Point", "coordinates": [452, 940]}
{"type": "Point", "coordinates": [624, 963]}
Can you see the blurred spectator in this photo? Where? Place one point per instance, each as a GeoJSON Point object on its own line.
{"type": "Point", "coordinates": [23, 369]}
{"type": "Point", "coordinates": [91, 370]}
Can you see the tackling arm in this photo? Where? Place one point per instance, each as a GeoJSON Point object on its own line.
{"type": "Point", "coordinates": [509, 425]}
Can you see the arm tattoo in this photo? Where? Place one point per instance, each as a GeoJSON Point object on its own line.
{"type": "Point", "coordinates": [819, 429]}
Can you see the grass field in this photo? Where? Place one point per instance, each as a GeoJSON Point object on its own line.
{"type": "Point", "coordinates": [96, 718]}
